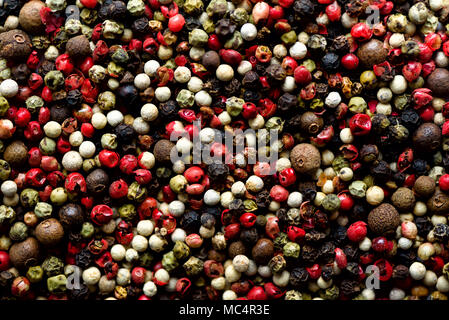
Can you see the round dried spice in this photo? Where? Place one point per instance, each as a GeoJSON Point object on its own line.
{"type": "Point", "coordinates": [16, 154]}
{"type": "Point", "coordinates": [438, 82]}
{"type": "Point", "coordinates": [263, 251]}
{"type": "Point", "coordinates": [305, 158]}
{"type": "Point", "coordinates": [25, 254]}
{"type": "Point", "coordinates": [424, 186]}
{"type": "Point", "coordinates": [372, 52]}
{"type": "Point", "coordinates": [30, 18]}
{"type": "Point", "coordinates": [78, 46]}
{"type": "Point", "coordinates": [438, 203]}
{"type": "Point", "coordinates": [49, 232]}
{"type": "Point", "coordinates": [162, 150]}
{"type": "Point", "coordinates": [427, 138]}
{"type": "Point", "coordinates": [384, 219]}
{"type": "Point", "coordinates": [403, 199]}
{"type": "Point", "coordinates": [15, 44]}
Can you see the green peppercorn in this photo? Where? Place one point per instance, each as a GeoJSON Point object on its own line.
{"type": "Point", "coordinates": [19, 231]}
{"type": "Point", "coordinates": [357, 105]}
{"type": "Point", "coordinates": [57, 283]}
{"type": "Point", "coordinates": [47, 146]}
{"type": "Point", "coordinates": [331, 202]}
{"type": "Point", "coordinates": [185, 98]}
{"type": "Point", "coordinates": [109, 141]}
{"type": "Point", "coordinates": [358, 189]}
{"type": "Point", "coordinates": [34, 103]}
{"type": "Point", "coordinates": [127, 212]}
{"type": "Point", "coordinates": [87, 230]}
{"type": "Point", "coordinates": [35, 274]}
{"type": "Point", "coordinates": [169, 261]}
{"type": "Point", "coordinates": [292, 250]}
{"type": "Point", "coordinates": [29, 197]}
{"type": "Point", "coordinates": [54, 79]}
{"type": "Point", "coordinates": [53, 266]}
{"type": "Point", "coordinates": [198, 38]}
{"type": "Point", "coordinates": [193, 266]}
{"type": "Point", "coordinates": [7, 214]}
{"type": "Point", "coordinates": [181, 250]}
{"type": "Point", "coordinates": [136, 192]}
{"type": "Point", "coordinates": [43, 210]}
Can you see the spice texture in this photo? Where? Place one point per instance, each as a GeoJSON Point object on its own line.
{"type": "Point", "coordinates": [224, 150]}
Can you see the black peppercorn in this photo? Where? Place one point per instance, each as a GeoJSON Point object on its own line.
{"type": "Point", "coordinates": [97, 182]}
{"type": "Point", "coordinates": [83, 259]}
{"type": "Point", "coordinates": [190, 221]}
{"type": "Point", "coordinates": [330, 62]}
{"type": "Point", "coordinates": [169, 110]}
{"type": "Point", "coordinates": [218, 172]}
{"type": "Point", "coordinates": [298, 277]}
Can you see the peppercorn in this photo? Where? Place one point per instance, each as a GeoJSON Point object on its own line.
{"type": "Point", "coordinates": [437, 82]}
{"type": "Point", "coordinates": [15, 44]}
{"type": "Point", "coordinates": [371, 53]}
{"type": "Point", "coordinates": [25, 254]}
{"type": "Point", "coordinates": [71, 215]}
{"type": "Point", "coordinates": [305, 158]}
{"type": "Point", "coordinates": [311, 123]}
{"type": "Point", "coordinates": [384, 219]}
{"type": "Point", "coordinates": [403, 199]}
{"type": "Point", "coordinates": [97, 182]}
{"type": "Point", "coordinates": [427, 138]}
{"type": "Point", "coordinates": [49, 232]}
{"type": "Point", "coordinates": [16, 154]}
{"type": "Point", "coordinates": [263, 250]}
{"type": "Point", "coordinates": [424, 186]}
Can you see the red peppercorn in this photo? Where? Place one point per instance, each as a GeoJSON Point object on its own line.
{"type": "Point", "coordinates": [35, 177]}
{"type": "Point", "coordinates": [295, 233]}
{"type": "Point", "coordinates": [357, 231]}
{"type": "Point", "coordinates": [361, 31]}
{"type": "Point", "coordinates": [272, 291]}
{"type": "Point", "coordinates": [302, 75]}
{"type": "Point", "coordinates": [314, 271]}
{"type": "Point", "coordinates": [350, 61]}
{"type": "Point", "coordinates": [333, 11]}
{"type": "Point", "coordinates": [89, 3]}
{"type": "Point", "coordinates": [433, 41]}
{"type": "Point", "coordinates": [75, 183]}
{"type": "Point", "coordinates": [248, 219]}
{"type": "Point", "coordinates": [272, 229]}
{"type": "Point", "coordinates": [34, 157]}
{"type": "Point", "coordinates": [443, 182]}
{"type": "Point", "coordinates": [49, 163]}
{"type": "Point", "coordinates": [182, 286]}
{"type": "Point", "coordinates": [63, 145]}
{"type": "Point", "coordinates": [4, 261]}
{"type": "Point", "coordinates": [22, 117]}
{"type": "Point", "coordinates": [108, 158]}
{"type": "Point", "coordinates": [35, 81]}
{"type": "Point", "coordinates": [142, 176]}
{"type": "Point", "coordinates": [360, 124]}
{"type": "Point", "coordinates": [87, 130]}
{"type": "Point", "coordinates": [46, 94]}
{"type": "Point", "coordinates": [230, 56]}
{"type": "Point", "coordinates": [194, 174]}
{"type": "Point", "coordinates": [176, 23]}
{"type": "Point", "coordinates": [340, 258]}
{"type": "Point", "coordinates": [101, 214]}
{"type": "Point", "coordinates": [20, 287]}
{"type": "Point", "coordinates": [287, 177]}
{"type": "Point", "coordinates": [257, 293]}
{"type": "Point", "coordinates": [231, 231]}
{"type": "Point", "coordinates": [279, 193]}
{"type": "Point", "coordinates": [412, 70]}
{"type": "Point", "coordinates": [346, 201]}
{"type": "Point", "coordinates": [64, 64]}
{"type": "Point", "coordinates": [138, 275]}
{"type": "Point", "coordinates": [445, 129]}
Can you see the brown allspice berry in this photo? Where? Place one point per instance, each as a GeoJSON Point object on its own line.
{"type": "Point", "coordinates": [424, 186]}
{"type": "Point", "coordinates": [384, 219]}
{"type": "Point", "coordinates": [15, 45]}
{"type": "Point", "coordinates": [427, 138]}
{"type": "Point", "coordinates": [97, 182]}
{"type": "Point", "coordinates": [25, 254]}
{"type": "Point", "coordinates": [211, 60]}
{"type": "Point", "coordinates": [438, 82]}
{"type": "Point", "coordinates": [372, 52]}
{"type": "Point", "coordinates": [236, 248]}
{"type": "Point", "coordinates": [403, 199]}
{"type": "Point", "coordinates": [311, 123]}
{"type": "Point", "coordinates": [49, 232]}
{"type": "Point", "coordinates": [438, 203]}
{"type": "Point", "coordinates": [71, 215]}
{"type": "Point", "coordinates": [305, 158]}
{"type": "Point", "coordinates": [78, 46]}
{"type": "Point", "coordinates": [162, 150]}
{"type": "Point", "coordinates": [16, 154]}
{"type": "Point", "coordinates": [30, 18]}
{"type": "Point", "coordinates": [218, 256]}
{"type": "Point", "coordinates": [263, 251]}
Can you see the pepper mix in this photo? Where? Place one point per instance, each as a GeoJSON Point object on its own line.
{"type": "Point", "coordinates": [93, 207]}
